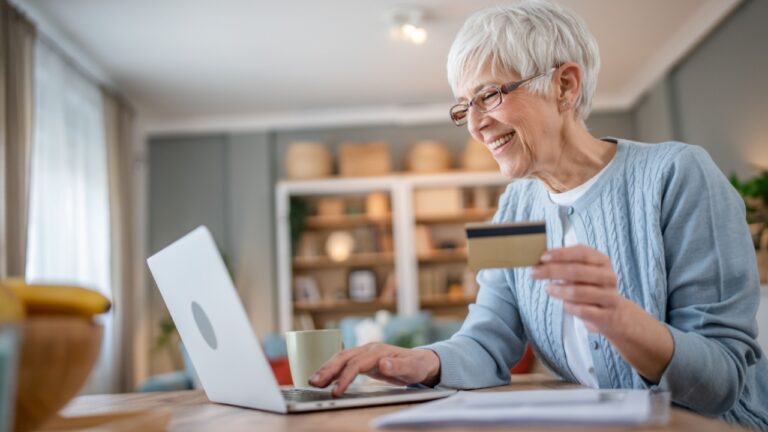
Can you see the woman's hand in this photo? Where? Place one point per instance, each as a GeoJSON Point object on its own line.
{"type": "Point", "coordinates": [584, 280]}
{"type": "Point", "coordinates": [389, 363]}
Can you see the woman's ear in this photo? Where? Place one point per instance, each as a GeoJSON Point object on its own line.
{"type": "Point", "coordinates": [568, 83]}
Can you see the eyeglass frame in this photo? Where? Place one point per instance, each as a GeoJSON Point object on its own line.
{"type": "Point", "coordinates": [502, 90]}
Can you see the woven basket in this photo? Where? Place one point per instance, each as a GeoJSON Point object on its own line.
{"type": "Point", "coordinates": [429, 156]}
{"type": "Point", "coordinates": [308, 160]}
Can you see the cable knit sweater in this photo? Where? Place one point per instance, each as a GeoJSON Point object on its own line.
{"type": "Point", "coordinates": [674, 230]}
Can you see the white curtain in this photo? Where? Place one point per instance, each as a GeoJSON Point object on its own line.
{"type": "Point", "coordinates": [69, 232]}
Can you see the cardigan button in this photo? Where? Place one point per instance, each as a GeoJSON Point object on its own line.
{"type": "Point", "coordinates": [570, 210]}
{"type": "Point", "coordinates": [594, 345]}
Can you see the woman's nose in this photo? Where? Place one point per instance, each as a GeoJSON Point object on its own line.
{"type": "Point", "coordinates": [476, 121]}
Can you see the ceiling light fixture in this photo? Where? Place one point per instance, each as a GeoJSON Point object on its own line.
{"type": "Point", "coordinates": [405, 24]}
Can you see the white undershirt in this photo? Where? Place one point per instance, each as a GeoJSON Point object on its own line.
{"type": "Point", "coordinates": [575, 333]}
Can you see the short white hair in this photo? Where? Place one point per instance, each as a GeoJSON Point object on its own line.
{"type": "Point", "coordinates": [527, 38]}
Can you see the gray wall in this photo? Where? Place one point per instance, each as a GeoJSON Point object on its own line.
{"type": "Point", "coordinates": [717, 97]}
{"type": "Point", "coordinates": [616, 124]}
{"type": "Point", "coordinates": [251, 225]}
{"type": "Point", "coordinates": [187, 188]}
{"type": "Point", "coordinates": [226, 183]}
{"type": "Point", "coordinates": [654, 115]}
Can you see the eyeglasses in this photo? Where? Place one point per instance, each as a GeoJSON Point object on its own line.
{"type": "Point", "coordinates": [488, 99]}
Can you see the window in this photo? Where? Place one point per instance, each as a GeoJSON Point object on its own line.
{"type": "Point", "coordinates": [69, 233]}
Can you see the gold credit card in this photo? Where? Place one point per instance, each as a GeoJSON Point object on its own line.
{"type": "Point", "coordinates": [505, 245]}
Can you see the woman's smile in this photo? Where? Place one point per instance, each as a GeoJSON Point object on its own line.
{"type": "Point", "coordinates": [498, 145]}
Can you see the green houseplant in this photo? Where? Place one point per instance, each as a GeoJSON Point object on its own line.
{"type": "Point", "coordinates": [755, 193]}
{"type": "Point", "coordinates": [299, 210]}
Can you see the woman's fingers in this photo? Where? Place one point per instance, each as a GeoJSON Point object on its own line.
{"type": "Point", "coordinates": [345, 366]}
{"type": "Point", "coordinates": [576, 264]}
{"type": "Point", "coordinates": [594, 317]}
{"type": "Point", "coordinates": [386, 362]}
{"type": "Point", "coordinates": [357, 365]}
{"type": "Point", "coordinates": [328, 371]}
{"type": "Point", "coordinates": [393, 364]}
{"type": "Point", "coordinates": [587, 284]}
{"type": "Point", "coordinates": [576, 273]}
{"type": "Point", "coordinates": [578, 253]}
{"type": "Point", "coordinates": [599, 318]}
{"type": "Point", "coordinates": [582, 294]}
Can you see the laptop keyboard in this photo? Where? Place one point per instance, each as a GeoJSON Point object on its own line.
{"type": "Point", "coordinates": [305, 395]}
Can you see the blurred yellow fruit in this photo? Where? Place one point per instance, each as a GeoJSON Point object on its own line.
{"type": "Point", "coordinates": [58, 299]}
{"type": "Point", "coordinates": [11, 308]}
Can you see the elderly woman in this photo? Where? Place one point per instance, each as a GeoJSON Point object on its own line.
{"type": "Point", "coordinates": [650, 278]}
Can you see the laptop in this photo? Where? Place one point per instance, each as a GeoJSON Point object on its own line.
{"type": "Point", "coordinates": [224, 350]}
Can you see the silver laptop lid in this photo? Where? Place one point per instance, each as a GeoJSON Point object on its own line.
{"type": "Point", "coordinates": [213, 325]}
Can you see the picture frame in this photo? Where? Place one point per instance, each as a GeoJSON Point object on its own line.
{"type": "Point", "coordinates": [306, 290]}
{"type": "Point", "coordinates": [362, 285]}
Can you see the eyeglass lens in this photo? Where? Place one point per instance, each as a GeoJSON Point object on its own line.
{"type": "Point", "coordinates": [484, 102]}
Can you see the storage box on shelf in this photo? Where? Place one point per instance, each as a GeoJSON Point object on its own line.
{"type": "Point", "coordinates": [413, 259]}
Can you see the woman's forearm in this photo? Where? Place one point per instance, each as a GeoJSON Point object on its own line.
{"type": "Point", "coordinates": [644, 342]}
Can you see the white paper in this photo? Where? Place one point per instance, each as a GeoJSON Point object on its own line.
{"type": "Point", "coordinates": [580, 406]}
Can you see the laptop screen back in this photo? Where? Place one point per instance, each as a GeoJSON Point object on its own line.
{"type": "Point", "coordinates": [212, 323]}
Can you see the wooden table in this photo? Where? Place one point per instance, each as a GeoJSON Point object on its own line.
{"type": "Point", "coordinates": [193, 412]}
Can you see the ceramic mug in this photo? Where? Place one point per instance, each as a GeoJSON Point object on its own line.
{"type": "Point", "coordinates": [308, 350]}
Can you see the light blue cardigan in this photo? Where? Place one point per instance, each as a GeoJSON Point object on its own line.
{"type": "Point", "coordinates": [675, 231]}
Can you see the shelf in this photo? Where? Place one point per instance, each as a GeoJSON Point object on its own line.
{"type": "Point", "coordinates": [469, 215]}
{"type": "Point", "coordinates": [357, 260]}
{"type": "Point", "coordinates": [444, 301]}
{"type": "Point", "coordinates": [344, 185]}
{"type": "Point", "coordinates": [398, 233]}
{"type": "Point", "coordinates": [443, 256]}
{"type": "Point", "coordinates": [347, 221]}
{"type": "Point", "coordinates": [343, 306]}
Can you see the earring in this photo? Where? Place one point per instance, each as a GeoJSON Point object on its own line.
{"type": "Point", "coordinates": [564, 106]}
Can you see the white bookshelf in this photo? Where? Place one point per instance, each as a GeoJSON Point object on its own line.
{"type": "Point", "coordinates": [400, 188]}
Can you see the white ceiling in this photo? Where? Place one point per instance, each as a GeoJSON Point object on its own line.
{"type": "Point", "coordinates": [211, 61]}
